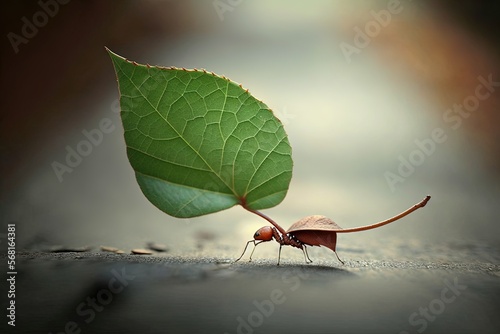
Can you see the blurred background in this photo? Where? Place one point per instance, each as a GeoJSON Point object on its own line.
{"type": "Point", "coordinates": [354, 94]}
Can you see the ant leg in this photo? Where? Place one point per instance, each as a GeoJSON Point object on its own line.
{"type": "Point", "coordinates": [279, 255]}
{"type": "Point", "coordinates": [255, 246]}
{"type": "Point", "coordinates": [246, 250]}
{"type": "Point", "coordinates": [338, 257]}
{"type": "Point", "coordinates": [306, 256]}
{"type": "Point", "coordinates": [253, 250]}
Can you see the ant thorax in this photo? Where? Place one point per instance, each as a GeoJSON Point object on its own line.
{"type": "Point", "coordinates": [277, 235]}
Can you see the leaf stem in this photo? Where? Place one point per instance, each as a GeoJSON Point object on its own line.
{"type": "Point", "coordinates": [419, 205]}
{"type": "Point", "coordinates": [260, 214]}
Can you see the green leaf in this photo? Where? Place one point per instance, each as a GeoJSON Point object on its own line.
{"type": "Point", "coordinates": [200, 143]}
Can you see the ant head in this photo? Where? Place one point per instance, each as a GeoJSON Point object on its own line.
{"type": "Point", "coordinates": [264, 233]}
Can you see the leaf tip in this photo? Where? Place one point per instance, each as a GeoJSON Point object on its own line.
{"type": "Point", "coordinates": [111, 53]}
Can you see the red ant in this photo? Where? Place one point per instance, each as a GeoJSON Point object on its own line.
{"type": "Point", "coordinates": [313, 231]}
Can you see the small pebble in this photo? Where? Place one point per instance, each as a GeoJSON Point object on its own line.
{"type": "Point", "coordinates": [112, 250]}
{"type": "Point", "coordinates": [63, 249]}
{"type": "Point", "coordinates": [141, 251]}
{"type": "Point", "coordinates": [157, 247]}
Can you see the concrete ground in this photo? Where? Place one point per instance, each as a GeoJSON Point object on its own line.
{"type": "Point", "coordinates": [102, 292]}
